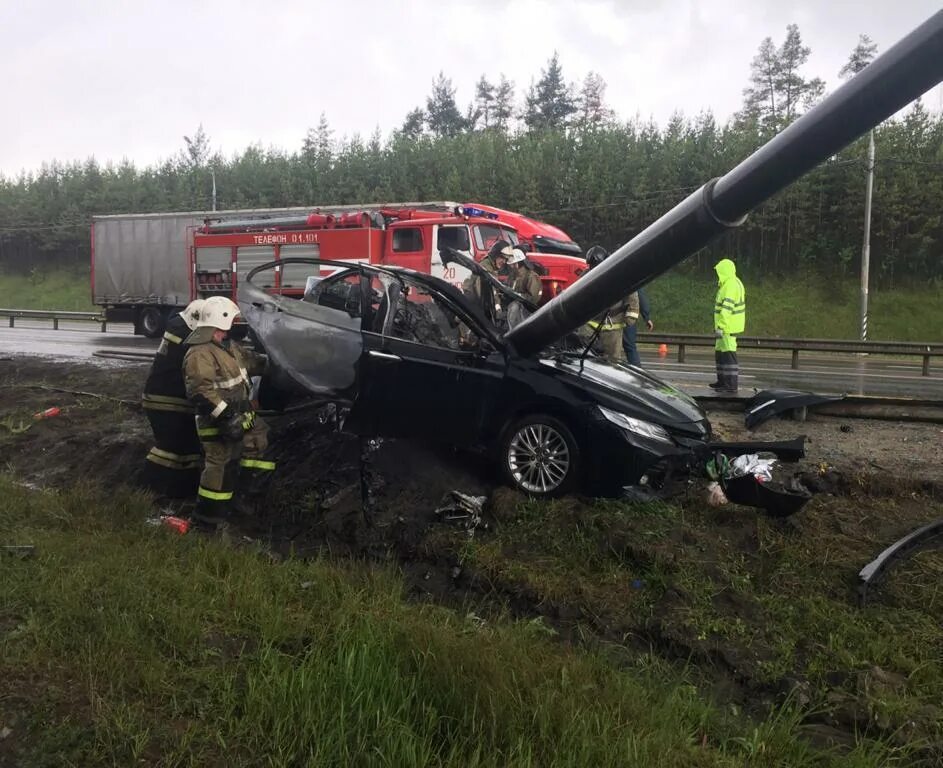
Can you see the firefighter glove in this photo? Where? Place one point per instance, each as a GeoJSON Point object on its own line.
{"type": "Point", "coordinates": [230, 426]}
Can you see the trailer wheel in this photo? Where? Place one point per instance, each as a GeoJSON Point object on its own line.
{"type": "Point", "coordinates": [150, 322]}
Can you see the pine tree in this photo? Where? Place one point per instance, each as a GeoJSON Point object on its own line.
{"type": "Point", "coordinates": [414, 124]}
{"type": "Point", "coordinates": [593, 111]}
{"type": "Point", "coordinates": [550, 102]}
{"type": "Point", "coordinates": [484, 103]}
{"type": "Point", "coordinates": [860, 57]}
{"type": "Point", "coordinates": [442, 113]}
{"type": "Point", "coordinates": [503, 108]}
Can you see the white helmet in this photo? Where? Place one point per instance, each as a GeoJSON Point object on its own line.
{"type": "Point", "coordinates": [517, 256]}
{"type": "Point", "coordinates": [218, 312]}
{"type": "Point", "coordinates": [191, 315]}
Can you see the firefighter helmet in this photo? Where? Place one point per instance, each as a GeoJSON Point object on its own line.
{"type": "Point", "coordinates": [191, 315]}
{"type": "Point", "coordinates": [596, 256]}
{"type": "Point", "coordinates": [517, 256]}
{"type": "Point", "coordinates": [500, 250]}
{"type": "Point", "coordinates": [218, 312]}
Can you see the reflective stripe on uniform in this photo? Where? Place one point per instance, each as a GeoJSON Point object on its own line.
{"type": "Point", "coordinates": [171, 338]}
{"type": "Point", "coordinates": [214, 495]}
{"type": "Point", "coordinates": [257, 464]}
{"type": "Point", "coordinates": [176, 465]}
{"type": "Point", "coordinates": [220, 407]}
{"type": "Point", "coordinates": [167, 407]}
{"type": "Point", "coordinates": [242, 378]}
{"type": "Point", "coordinates": [165, 399]}
{"type": "Point", "coordinates": [179, 458]}
{"type": "Point", "coordinates": [208, 432]}
{"type": "Point", "coordinates": [607, 326]}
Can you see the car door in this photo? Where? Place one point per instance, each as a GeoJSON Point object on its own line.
{"type": "Point", "coordinates": [426, 373]}
{"type": "Point", "coordinates": [314, 344]}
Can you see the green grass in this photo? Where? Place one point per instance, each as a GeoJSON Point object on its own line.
{"type": "Point", "coordinates": [124, 644]}
{"type": "Point", "coordinates": [59, 288]}
{"type": "Point", "coordinates": [804, 307]}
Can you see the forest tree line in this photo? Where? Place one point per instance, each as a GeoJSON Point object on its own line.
{"type": "Point", "coordinates": [559, 153]}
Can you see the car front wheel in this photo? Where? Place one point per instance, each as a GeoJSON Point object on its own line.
{"type": "Point", "coordinates": [540, 456]}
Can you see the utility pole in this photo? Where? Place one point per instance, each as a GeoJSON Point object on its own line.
{"type": "Point", "coordinates": [213, 172]}
{"type": "Point", "coordinates": [866, 246]}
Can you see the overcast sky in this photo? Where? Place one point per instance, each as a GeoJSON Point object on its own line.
{"type": "Point", "coordinates": [129, 79]}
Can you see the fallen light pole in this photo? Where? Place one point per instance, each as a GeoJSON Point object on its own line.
{"type": "Point", "coordinates": [890, 82]}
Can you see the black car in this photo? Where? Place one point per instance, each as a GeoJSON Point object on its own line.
{"type": "Point", "coordinates": [413, 357]}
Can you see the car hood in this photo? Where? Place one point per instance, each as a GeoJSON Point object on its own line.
{"type": "Point", "coordinates": [629, 390]}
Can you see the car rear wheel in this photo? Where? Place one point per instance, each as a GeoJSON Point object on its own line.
{"type": "Point", "coordinates": [540, 456]}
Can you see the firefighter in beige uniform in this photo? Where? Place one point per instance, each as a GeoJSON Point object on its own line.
{"type": "Point", "coordinates": [615, 319]}
{"type": "Point", "coordinates": [234, 439]}
{"type": "Point", "coordinates": [523, 279]}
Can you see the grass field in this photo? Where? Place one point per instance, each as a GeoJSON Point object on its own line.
{"type": "Point", "coordinates": [54, 289]}
{"type": "Point", "coordinates": [122, 644]}
{"type": "Point", "coordinates": [809, 308]}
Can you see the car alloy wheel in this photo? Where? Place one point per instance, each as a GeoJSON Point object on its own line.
{"type": "Point", "coordinates": [538, 458]}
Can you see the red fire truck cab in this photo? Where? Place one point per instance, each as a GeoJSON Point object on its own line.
{"type": "Point", "coordinates": [223, 251]}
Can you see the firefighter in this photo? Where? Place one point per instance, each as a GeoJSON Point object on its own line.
{"type": "Point", "coordinates": [630, 334]}
{"type": "Point", "coordinates": [523, 279]}
{"type": "Point", "coordinates": [730, 313]}
{"type": "Point", "coordinates": [216, 371]}
{"type": "Point", "coordinates": [493, 263]}
{"type": "Point", "coordinates": [614, 320]}
{"type": "Point", "coordinates": [173, 464]}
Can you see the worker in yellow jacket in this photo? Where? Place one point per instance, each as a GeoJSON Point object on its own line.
{"type": "Point", "coordinates": [730, 314]}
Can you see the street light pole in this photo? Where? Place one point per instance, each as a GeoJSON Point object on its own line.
{"type": "Point", "coordinates": [213, 171]}
{"type": "Point", "coordinates": [866, 246]}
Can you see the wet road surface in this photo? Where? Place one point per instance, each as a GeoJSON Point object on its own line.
{"type": "Point", "coordinates": [819, 372]}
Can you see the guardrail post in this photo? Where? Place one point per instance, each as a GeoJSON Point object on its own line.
{"type": "Point", "coordinates": [795, 359]}
{"type": "Point", "coordinates": [55, 323]}
{"type": "Point", "coordinates": [11, 321]}
{"type": "Point", "coordinates": [681, 353]}
{"type": "Point", "coordinates": [104, 325]}
{"type": "Point", "coordinates": [926, 365]}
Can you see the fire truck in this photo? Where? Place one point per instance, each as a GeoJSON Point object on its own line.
{"type": "Point", "coordinates": [146, 267]}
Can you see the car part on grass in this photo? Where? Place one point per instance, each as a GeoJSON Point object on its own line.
{"type": "Point", "coordinates": [784, 450]}
{"type": "Point", "coordinates": [874, 570]}
{"type": "Point", "coordinates": [22, 551]}
{"type": "Point", "coordinates": [370, 481]}
{"type": "Point", "coordinates": [894, 79]}
{"type": "Point", "coordinates": [776, 499]}
{"type": "Point", "coordinates": [770, 402]}
{"type": "Point", "coordinates": [463, 510]}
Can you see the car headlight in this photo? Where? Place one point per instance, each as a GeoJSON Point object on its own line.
{"type": "Point", "coordinates": [636, 426]}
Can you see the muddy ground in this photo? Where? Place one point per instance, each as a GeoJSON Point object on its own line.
{"type": "Point", "coordinates": [766, 609]}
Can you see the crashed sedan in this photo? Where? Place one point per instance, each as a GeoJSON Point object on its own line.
{"type": "Point", "coordinates": [410, 356]}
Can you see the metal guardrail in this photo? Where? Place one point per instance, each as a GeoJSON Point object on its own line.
{"type": "Point", "coordinates": [902, 348]}
{"type": "Point", "coordinates": [55, 315]}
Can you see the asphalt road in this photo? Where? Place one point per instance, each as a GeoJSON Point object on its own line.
{"type": "Point", "coordinates": [826, 373]}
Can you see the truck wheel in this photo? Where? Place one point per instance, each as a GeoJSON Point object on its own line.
{"type": "Point", "coordinates": [540, 456]}
{"type": "Point", "coordinates": [150, 322]}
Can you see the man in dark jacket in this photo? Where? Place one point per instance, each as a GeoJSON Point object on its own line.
{"type": "Point", "coordinates": [172, 468]}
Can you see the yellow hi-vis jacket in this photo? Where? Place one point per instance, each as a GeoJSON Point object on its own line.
{"type": "Point", "coordinates": [730, 304]}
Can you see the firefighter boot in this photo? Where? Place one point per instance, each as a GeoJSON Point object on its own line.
{"type": "Point", "coordinates": [210, 514]}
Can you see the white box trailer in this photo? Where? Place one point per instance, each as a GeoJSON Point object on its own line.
{"type": "Point", "coordinates": [141, 266]}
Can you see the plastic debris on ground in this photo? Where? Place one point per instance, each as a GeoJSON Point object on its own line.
{"type": "Point", "coordinates": [22, 551]}
{"type": "Point", "coordinates": [748, 480]}
{"type": "Point", "coordinates": [179, 524]}
{"type": "Point", "coordinates": [462, 510]}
